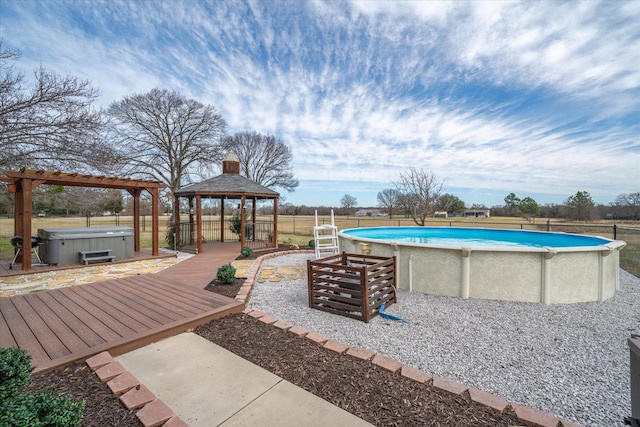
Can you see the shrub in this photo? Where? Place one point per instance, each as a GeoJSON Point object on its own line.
{"type": "Point", "coordinates": [246, 251]}
{"type": "Point", "coordinates": [39, 408]}
{"type": "Point", "coordinates": [312, 243]}
{"type": "Point", "coordinates": [226, 274]}
{"type": "Point", "coordinates": [235, 225]}
{"type": "Point", "coordinates": [15, 371]}
{"type": "Point", "coordinates": [169, 236]}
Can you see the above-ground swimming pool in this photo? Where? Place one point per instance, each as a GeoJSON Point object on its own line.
{"type": "Point", "coordinates": [513, 265]}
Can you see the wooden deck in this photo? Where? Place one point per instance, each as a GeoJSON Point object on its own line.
{"type": "Point", "coordinates": [64, 325]}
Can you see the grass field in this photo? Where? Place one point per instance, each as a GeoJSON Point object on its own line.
{"type": "Point", "coordinates": [299, 229]}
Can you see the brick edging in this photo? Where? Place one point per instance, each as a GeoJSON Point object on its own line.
{"type": "Point", "coordinates": [529, 416]}
{"type": "Point", "coordinates": [133, 394]}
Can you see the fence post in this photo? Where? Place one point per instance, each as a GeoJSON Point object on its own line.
{"type": "Point", "coordinates": [294, 225]}
{"type": "Point", "coordinates": [615, 232]}
{"type": "Point", "coordinates": [548, 224]}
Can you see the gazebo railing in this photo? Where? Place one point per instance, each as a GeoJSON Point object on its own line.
{"type": "Point", "coordinates": [258, 234]}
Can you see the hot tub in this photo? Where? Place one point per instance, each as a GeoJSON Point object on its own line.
{"type": "Point", "coordinates": [62, 246]}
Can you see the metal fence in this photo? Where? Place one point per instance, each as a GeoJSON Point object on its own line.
{"type": "Point", "coordinates": [258, 234]}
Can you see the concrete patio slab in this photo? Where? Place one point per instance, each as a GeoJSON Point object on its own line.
{"type": "Point", "coordinates": [206, 385]}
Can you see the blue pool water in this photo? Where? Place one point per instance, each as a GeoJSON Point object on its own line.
{"type": "Point", "coordinates": [445, 236]}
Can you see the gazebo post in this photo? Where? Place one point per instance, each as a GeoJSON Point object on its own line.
{"type": "Point", "coordinates": [221, 219]}
{"type": "Point", "coordinates": [275, 222]}
{"type": "Point", "coordinates": [199, 223]}
{"type": "Point", "coordinates": [176, 221]}
{"type": "Point", "coordinates": [253, 218]}
{"type": "Point", "coordinates": [191, 230]}
{"type": "Point", "coordinates": [243, 222]}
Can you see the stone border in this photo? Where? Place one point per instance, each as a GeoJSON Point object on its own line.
{"type": "Point", "coordinates": [152, 411]}
{"type": "Point", "coordinates": [529, 416]}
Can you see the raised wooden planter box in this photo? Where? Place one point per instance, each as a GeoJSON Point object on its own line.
{"type": "Point", "coordinates": [352, 285]}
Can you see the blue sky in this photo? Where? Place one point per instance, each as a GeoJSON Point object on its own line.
{"type": "Point", "coordinates": [537, 98]}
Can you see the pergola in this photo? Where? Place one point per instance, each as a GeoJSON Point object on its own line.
{"type": "Point", "coordinates": [228, 186]}
{"type": "Point", "coordinates": [24, 181]}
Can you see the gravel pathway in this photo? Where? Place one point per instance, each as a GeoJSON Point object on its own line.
{"type": "Point", "coordinates": [571, 360]}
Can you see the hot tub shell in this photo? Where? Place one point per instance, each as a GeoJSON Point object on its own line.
{"type": "Point", "coordinates": [62, 246]}
{"type": "Point", "coordinates": [528, 274]}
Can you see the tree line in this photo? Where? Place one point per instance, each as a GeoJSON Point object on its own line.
{"type": "Point", "coordinates": [418, 194]}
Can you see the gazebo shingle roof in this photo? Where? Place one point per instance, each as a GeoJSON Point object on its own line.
{"type": "Point", "coordinates": [228, 185]}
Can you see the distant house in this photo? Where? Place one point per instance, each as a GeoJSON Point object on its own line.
{"type": "Point", "coordinates": [477, 213]}
{"type": "Point", "coordinates": [441, 214]}
{"type": "Point", "coordinates": [369, 212]}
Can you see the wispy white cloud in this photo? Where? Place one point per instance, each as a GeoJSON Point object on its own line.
{"type": "Point", "coordinates": [493, 96]}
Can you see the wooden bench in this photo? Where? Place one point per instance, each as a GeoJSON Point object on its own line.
{"type": "Point", "coordinates": [97, 255]}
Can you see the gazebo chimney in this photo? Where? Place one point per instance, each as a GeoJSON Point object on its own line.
{"type": "Point", "coordinates": [231, 164]}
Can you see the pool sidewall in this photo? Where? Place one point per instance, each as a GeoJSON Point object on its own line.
{"type": "Point", "coordinates": [527, 274]}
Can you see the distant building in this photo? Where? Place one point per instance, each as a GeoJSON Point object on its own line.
{"type": "Point", "coordinates": [370, 212]}
{"type": "Point", "coordinates": [477, 213]}
{"type": "Point", "coordinates": [441, 214]}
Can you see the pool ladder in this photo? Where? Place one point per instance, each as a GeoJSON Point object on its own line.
{"type": "Point", "coordinates": [325, 237]}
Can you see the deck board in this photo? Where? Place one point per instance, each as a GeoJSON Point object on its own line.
{"type": "Point", "coordinates": [63, 333]}
{"type": "Point", "coordinates": [6, 339]}
{"type": "Point", "coordinates": [98, 316]}
{"type": "Point", "coordinates": [171, 305]}
{"type": "Point", "coordinates": [21, 332]}
{"type": "Point", "coordinates": [46, 337]}
{"type": "Point", "coordinates": [86, 334]}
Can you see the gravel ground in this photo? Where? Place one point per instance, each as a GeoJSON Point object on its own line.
{"type": "Point", "coordinates": [570, 360]}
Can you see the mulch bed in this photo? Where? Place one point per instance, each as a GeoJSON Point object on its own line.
{"type": "Point", "coordinates": [369, 392]}
{"type": "Point", "coordinates": [102, 407]}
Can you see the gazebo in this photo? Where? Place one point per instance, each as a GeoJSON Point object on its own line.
{"type": "Point", "coordinates": [230, 185]}
{"type": "Point", "coordinates": [24, 181]}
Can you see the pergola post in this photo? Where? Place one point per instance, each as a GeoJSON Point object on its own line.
{"type": "Point", "coordinates": [136, 218]}
{"type": "Point", "coordinates": [23, 219]}
{"type": "Point", "coordinates": [17, 215]}
{"type": "Point", "coordinates": [155, 221]}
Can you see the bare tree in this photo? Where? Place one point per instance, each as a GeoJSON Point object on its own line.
{"type": "Point", "coordinates": [51, 126]}
{"type": "Point", "coordinates": [348, 202]}
{"type": "Point", "coordinates": [166, 137]}
{"type": "Point", "coordinates": [264, 159]}
{"type": "Point", "coordinates": [420, 192]}
{"type": "Point", "coordinates": [388, 199]}
{"type": "Point", "coordinates": [629, 205]}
